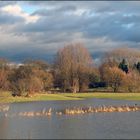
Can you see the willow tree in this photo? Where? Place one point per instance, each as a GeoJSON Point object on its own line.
{"type": "Point", "coordinates": [73, 63]}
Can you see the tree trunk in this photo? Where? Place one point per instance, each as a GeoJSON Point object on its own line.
{"type": "Point", "coordinates": [75, 86]}
{"type": "Point", "coordinates": [74, 90]}
{"type": "Point", "coordinates": [115, 89]}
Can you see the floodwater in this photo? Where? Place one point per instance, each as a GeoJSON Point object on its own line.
{"type": "Point", "coordinates": [124, 125]}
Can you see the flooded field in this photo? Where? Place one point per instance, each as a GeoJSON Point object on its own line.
{"type": "Point", "coordinates": [99, 125]}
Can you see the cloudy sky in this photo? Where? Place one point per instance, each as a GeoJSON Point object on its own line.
{"type": "Point", "coordinates": [39, 29]}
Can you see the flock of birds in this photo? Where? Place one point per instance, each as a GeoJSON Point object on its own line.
{"type": "Point", "coordinates": [72, 111]}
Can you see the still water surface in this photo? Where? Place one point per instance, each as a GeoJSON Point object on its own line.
{"type": "Point", "coordinates": [100, 125]}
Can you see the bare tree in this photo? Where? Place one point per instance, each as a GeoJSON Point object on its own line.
{"type": "Point", "coordinates": [117, 55]}
{"type": "Point", "coordinates": [4, 83]}
{"type": "Point", "coordinates": [73, 63]}
{"type": "Point", "coordinates": [4, 73]}
{"type": "Point", "coordinates": [30, 78]}
{"type": "Point", "coordinates": [132, 81]}
{"type": "Point", "coordinates": [114, 77]}
{"type": "Point", "coordinates": [42, 70]}
{"type": "Point", "coordinates": [37, 63]}
{"type": "Point", "coordinates": [103, 68]}
{"type": "Point", "coordinates": [94, 76]}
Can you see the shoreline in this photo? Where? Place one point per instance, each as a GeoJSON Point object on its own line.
{"type": "Point", "coordinates": [7, 98]}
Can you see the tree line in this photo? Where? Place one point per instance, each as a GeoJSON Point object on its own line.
{"type": "Point", "coordinates": [73, 70]}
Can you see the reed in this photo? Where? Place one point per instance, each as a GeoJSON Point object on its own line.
{"type": "Point", "coordinates": [76, 111]}
{"type": "Point", "coordinates": [4, 108]}
{"type": "Point", "coordinates": [90, 109]}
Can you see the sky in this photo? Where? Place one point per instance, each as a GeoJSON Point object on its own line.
{"type": "Point", "coordinates": [37, 30]}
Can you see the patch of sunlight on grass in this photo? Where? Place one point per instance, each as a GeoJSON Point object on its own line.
{"type": "Point", "coordinates": [5, 97]}
{"type": "Point", "coordinates": [123, 96]}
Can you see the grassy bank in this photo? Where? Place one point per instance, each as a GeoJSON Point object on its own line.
{"type": "Point", "coordinates": [5, 97]}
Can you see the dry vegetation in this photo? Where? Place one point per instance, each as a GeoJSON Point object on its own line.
{"type": "Point", "coordinates": [73, 71]}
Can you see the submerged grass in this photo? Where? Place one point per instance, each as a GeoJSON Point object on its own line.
{"type": "Point", "coordinates": [5, 97]}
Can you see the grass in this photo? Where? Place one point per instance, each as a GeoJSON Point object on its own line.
{"type": "Point", "coordinates": [118, 96]}
{"type": "Point", "coordinates": [5, 97]}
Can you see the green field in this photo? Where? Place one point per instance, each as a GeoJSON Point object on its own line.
{"type": "Point", "coordinates": [5, 97]}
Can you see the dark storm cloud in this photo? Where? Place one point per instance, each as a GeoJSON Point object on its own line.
{"type": "Point", "coordinates": [55, 11]}
{"type": "Point", "coordinates": [102, 26]}
{"type": "Point", "coordinates": [6, 18]}
{"type": "Point", "coordinates": [23, 54]}
{"type": "Point", "coordinates": [62, 23]}
{"type": "Point", "coordinates": [5, 3]}
{"type": "Point", "coordinates": [115, 26]}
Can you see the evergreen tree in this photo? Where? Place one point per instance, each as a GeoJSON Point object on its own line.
{"type": "Point", "coordinates": [124, 66]}
{"type": "Point", "coordinates": [137, 66]}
